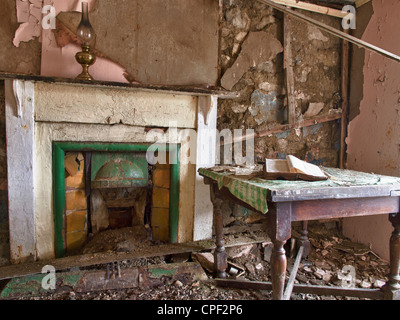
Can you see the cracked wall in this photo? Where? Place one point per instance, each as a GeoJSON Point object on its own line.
{"type": "Point", "coordinates": [252, 64]}
{"type": "Point", "coordinates": [22, 59]}
{"type": "Point", "coordinates": [374, 131]}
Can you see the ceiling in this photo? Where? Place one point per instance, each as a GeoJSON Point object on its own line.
{"type": "Point", "coordinates": [333, 3]}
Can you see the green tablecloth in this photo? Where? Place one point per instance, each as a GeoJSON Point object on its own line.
{"type": "Point", "coordinates": [253, 190]}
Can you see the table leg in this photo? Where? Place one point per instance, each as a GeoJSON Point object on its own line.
{"type": "Point", "coordinates": [392, 287]}
{"type": "Point", "coordinates": [220, 256]}
{"type": "Point", "coordinates": [278, 269]}
{"type": "Point", "coordinates": [304, 241]}
{"type": "Point", "coordinates": [279, 230]}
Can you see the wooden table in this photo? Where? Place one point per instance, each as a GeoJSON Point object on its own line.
{"type": "Point", "coordinates": [346, 194]}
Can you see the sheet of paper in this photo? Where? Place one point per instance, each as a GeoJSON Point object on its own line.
{"type": "Point", "coordinates": [299, 166]}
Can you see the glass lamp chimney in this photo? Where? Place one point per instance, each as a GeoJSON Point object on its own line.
{"type": "Point", "coordinates": [85, 31]}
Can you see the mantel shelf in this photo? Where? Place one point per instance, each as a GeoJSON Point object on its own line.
{"type": "Point", "coordinates": [182, 90]}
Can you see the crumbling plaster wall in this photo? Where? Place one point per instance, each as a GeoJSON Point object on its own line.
{"type": "Point", "coordinates": [251, 28]}
{"type": "Point", "coordinates": [252, 56]}
{"type": "Point", "coordinates": [22, 59]}
{"type": "Point", "coordinates": [373, 134]}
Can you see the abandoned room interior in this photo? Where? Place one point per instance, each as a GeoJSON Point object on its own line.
{"type": "Point", "coordinates": [199, 150]}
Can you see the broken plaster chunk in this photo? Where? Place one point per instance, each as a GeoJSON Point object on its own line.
{"type": "Point", "coordinates": [266, 86]}
{"type": "Point", "coordinates": [314, 33]}
{"type": "Point", "coordinates": [29, 14]}
{"type": "Point", "coordinates": [238, 18]}
{"type": "Point", "coordinates": [266, 20]}
{"type": "Point", "coordinates": [259, 47]}
{"type": "Point", "coordinates": [235, 48]}
{"type": "Point", "coordinates": [304, 75]}
{"type": "Point", "coordinates": [240, 36]}
{"type": "Point", "coordinates": [22, 11]}
{"type": "Point", "coordinates": [239, 108]}
{"type": "Point", "coordinates": [237, 252]}
{"type": "Point", "coordinates": [314, 108]}
{"type": "Point", "coordinates": [379, 283]}
{"type": "Point", "coordinates": [206, 260]}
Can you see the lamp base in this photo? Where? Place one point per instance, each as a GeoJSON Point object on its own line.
{"type": "Point", "coordinates": [85, 58]}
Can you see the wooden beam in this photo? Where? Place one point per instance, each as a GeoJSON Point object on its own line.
{"type": "Point", "coordinates": [333, 31]}
{"type": "Point", "coordinates": [92, 259]}
{"type": "Point", "coordinates": [360, 3]}
{"type": "Point", "coordinates": [288, 65]}
{"type": "Point", "coordinates": [345, 102]}
{"type": "Point", "coordinates": [290, 284]}
{"type": "Point", "coordinates": [312, 7]}
{"type": "Point", "coordinates": [288, 127]}
{"type": "Point", "coordinates": [219, 92]}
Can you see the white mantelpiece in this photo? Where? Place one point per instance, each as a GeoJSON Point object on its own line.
{"type": "Point", "coordinates": [38, 113]}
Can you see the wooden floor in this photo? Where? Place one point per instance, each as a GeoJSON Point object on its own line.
{"type": "Point", "coordinates": [65, 264]}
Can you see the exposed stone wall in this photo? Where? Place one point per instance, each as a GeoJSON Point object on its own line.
{"type": "Point", "coordinates": [252, 64]}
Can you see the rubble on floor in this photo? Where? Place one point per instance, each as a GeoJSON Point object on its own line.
{"type": "Point", "coordinates": [333, 261]}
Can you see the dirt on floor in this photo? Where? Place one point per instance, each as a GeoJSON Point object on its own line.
{"type": "Point", "coordinates": [333, 261]}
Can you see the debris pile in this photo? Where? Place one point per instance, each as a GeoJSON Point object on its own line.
{"type": "Point", "coordinates": [333, 261]}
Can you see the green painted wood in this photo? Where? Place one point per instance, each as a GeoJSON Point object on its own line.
{"type": "Point", "coordinates": [59, 200]}
{"type": "Point", "coordinates": [174, 196]}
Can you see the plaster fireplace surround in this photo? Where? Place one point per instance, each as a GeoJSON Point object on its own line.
{"type": "Point", "coordinates": [47, 119]}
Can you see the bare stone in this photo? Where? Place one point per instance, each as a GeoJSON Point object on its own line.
{"type": "Point", "coordinates": [178, 283]}
{"type": "Point", "coordinates": [314, 109]}
{"type": "Point", "coordinates": [265, 21]}
{"type": "Point", "coordinates": [319, 273]}
{"type": "Point", "coordinates": [238, 18]}
{"type": "Point", "coordinates": [235, 48]}
{"type": "Point", "coordinates": [379, 283]}
{"type": "Point", "coordinates": [239, 108]}
{"type": "Point", "coordinates": [240, 36]}
{"type": "Point", "coordinates": [237, 252]}
{"type": "Point", "coordinates": [266, 86]}
{"type": "Point", "coordinates": [315, 33]}
{"type": "Point", "coordinates": [268, 252]}
{"type": "Point", "coordinates": [206, 260]}
{"type": "Point", "coordinates": [365, 284]}
{"type": "Point", "coordinates": [259, 47]}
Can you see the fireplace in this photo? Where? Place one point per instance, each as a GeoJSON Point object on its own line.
{"type": "Point", "coordinates": [115, 190]}
{"type": "Point", "coordinates": [115, 127]}
{"type": "Point", "coordinates": [120, 189]}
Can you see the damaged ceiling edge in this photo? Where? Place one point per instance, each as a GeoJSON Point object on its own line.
{"type": "Point", "coordinates": [312, 7]}
{"type": "Point", "coordinates": [338, 33]}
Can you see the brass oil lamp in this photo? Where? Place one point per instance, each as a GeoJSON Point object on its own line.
{"type": "Point", "coordinates": [87, 37]}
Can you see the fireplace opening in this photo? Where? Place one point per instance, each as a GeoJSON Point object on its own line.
{"type": "Point", "coordinates": [114, 198]}
{"type": "Point", "coordinates": [120, 217]}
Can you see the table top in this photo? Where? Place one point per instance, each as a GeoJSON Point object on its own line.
{"type": "Point", "coordinates": [252, 189]}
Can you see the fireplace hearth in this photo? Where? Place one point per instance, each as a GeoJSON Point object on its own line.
{"type": "Point", "coordinates": [47, 121]}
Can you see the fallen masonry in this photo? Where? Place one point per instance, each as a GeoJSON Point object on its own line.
{"type": "Point", "coordinates": [188, 277]}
